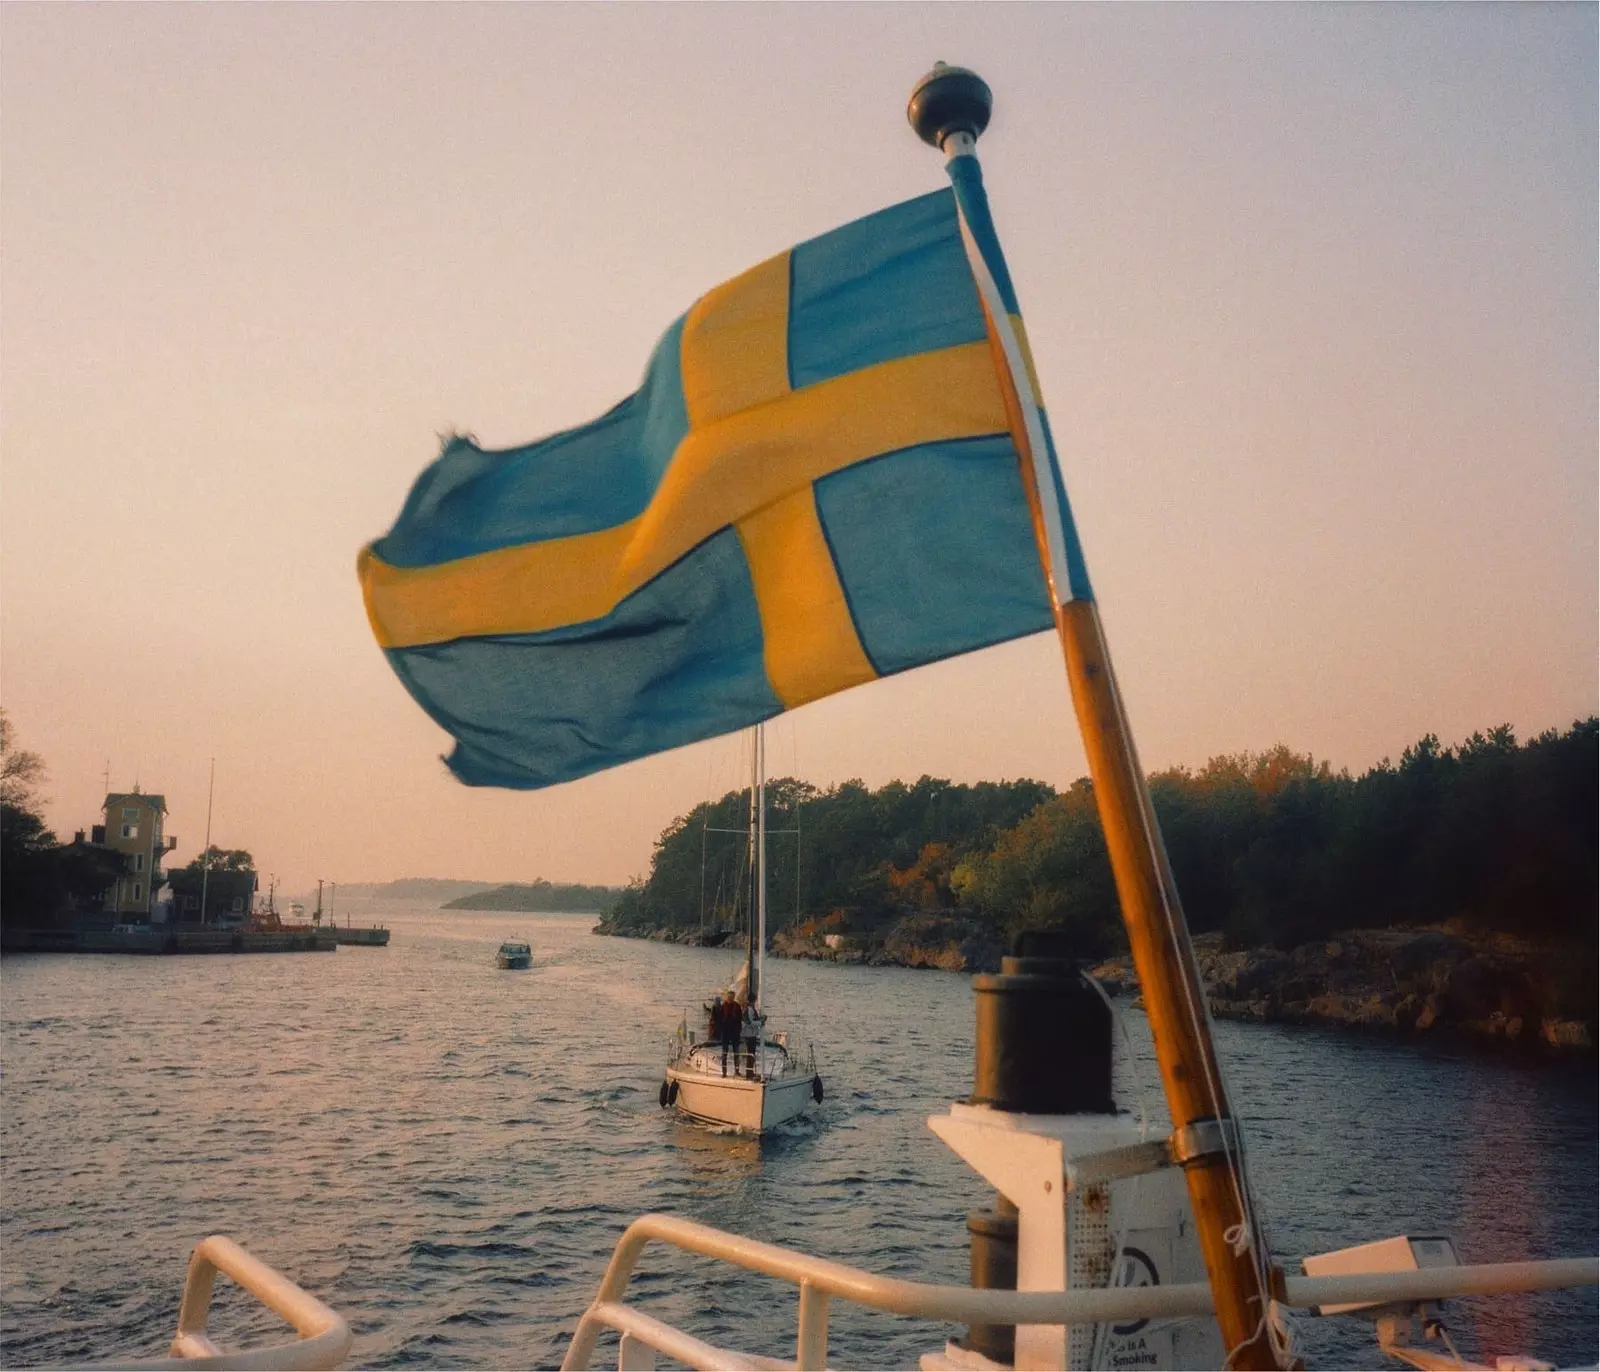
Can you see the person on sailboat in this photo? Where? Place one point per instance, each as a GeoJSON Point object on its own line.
{"type": "Point", "coordinates": [729, 1023]}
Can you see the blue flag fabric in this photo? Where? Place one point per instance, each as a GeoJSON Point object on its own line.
{"type": "Point", "coordinates": [814, 486]}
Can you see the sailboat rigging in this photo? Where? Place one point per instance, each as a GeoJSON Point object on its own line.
{"type": "Point", "coordinates": [742, 1073]}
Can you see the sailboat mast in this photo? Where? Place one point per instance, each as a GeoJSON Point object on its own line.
{"type": "Point", "coordinates": [950, 109]}
{"type": "Point", "coordinates": [761, 866]}
{"type": "Point", "coordinates": [750, 972]}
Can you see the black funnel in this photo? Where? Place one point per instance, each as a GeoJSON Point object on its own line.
{"type": "Point", "coordinates": [1043, 1034]}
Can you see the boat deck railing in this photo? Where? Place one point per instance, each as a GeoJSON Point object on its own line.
{"type": "Point", "coordinates": [323, 1336]}
{"type": "Point", "coordinates": [820, 1281]}
{"type": "Point", "coordinates": [744, 1064]}
{"type": "Point", "coordinates": [795, 1062]}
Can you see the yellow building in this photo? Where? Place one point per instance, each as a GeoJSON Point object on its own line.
{"type": "Point", "coordinates": [133, 827]}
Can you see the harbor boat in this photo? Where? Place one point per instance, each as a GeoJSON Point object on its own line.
{"type": "Point", "coordinates": [513, 956]}
{"type": "Point", "coordinates": [268, 931]}
{"type": "Point", "coordinates": [755, 1080]}
{"type": "Point", "coordinates": [1105, 1247]}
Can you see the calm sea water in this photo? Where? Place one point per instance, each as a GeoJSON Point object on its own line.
{"type": "Point", "coordinates": [446, 1153]}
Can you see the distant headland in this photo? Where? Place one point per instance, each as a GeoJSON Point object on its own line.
{"type": "Point", "coordinates": [449, 893]}
{"type": "Point", "coordinates": [440, 889]}
{"type": "Point", "coordinates": [544, 897]}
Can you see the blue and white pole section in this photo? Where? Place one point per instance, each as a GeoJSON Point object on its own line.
{"type": "Point", "coordinates": [950, 109]}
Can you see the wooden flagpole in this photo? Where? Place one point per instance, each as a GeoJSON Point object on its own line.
{"type": "Point", "coordinates": [949, 109]}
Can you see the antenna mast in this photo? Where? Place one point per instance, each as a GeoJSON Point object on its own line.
{"type": "Point", "coordinates": [205, 854]}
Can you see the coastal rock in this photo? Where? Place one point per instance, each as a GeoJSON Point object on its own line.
{"type": "Point", "coordinates": [1566, 1033]}
{"type": "Point", "coordinates": [1258, 1010]}
{"type": "Point", "coordinates": [1426, 955]}
{"type": "Point", "coordinates": [1472, 990]}
{"type": "Point", "coordinates": [1243, 976]}
{"type": "Point", "coordinates": [691, 937]}
{"type": "Point", "coordinates": [1371, 1010]}
{"type": "Point", "coordinates": [1415, 981]}
{"type": "Point", "coordinates": [947, 941]}
{"type": "Point", "coordinates": [1116, 975]}
{"type": "Point", "coordinates": [951, 943]}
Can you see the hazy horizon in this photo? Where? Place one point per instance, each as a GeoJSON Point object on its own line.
{"type": "Point", "coordinates": [1311, 290]}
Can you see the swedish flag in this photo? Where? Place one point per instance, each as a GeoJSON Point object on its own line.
{"type": "Point", "coordinates": [815, 485]}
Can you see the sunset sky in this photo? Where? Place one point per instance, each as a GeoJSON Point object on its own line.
{"type": "Point", "coordinates": [1312, 292]}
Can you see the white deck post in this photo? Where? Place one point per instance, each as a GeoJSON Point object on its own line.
{"type": "Point", "coordinates": [635, 1355]}
{"type": "Point", "coordinates": [811, 1349]}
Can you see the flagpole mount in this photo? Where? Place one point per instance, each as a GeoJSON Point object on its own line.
{"type": "Point", "coordinates": [949, 100]}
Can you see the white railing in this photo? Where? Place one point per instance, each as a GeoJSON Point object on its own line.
{"type": "Point", "coordinates": [324, 1337]}
{"type": "Point", "coordinates": [820, 1280]}
{"type": "Point", "coordinates": [775, 1050]}
{"type": "Point", "coordinates": [1437, 1283]}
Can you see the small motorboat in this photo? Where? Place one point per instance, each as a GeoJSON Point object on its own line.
{"type": "Point", "coordinates": [513, 956]}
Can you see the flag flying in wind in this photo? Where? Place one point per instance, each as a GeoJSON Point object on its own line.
{"type": "Point", "coordinates": [815, 485]}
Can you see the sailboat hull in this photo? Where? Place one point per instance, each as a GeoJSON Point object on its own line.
{"type": "Point", "coordinates": [751, 1106]}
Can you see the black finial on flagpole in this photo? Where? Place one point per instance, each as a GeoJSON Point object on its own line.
{"type": "Point", "coordinates": [949, 100]}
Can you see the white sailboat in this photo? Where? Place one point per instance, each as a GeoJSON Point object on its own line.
{"type": "Point", "coordinates": [763, 1079]}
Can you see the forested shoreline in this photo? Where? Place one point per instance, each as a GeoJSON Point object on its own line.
{"type": "Point", "coordinates": [1271, 850]}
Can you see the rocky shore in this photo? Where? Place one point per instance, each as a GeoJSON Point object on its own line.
{"type": "Point", "coordinates": [947, 942]}
{"type": "Point", "coordinates": [1409, 981]}
{"type": "Point", "coordinates": [1430, 981]}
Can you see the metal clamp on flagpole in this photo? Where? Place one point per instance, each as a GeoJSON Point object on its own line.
{"type": "Point", "coordinates": [1202, 1139]}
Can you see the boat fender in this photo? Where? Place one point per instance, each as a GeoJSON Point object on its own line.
{"type": "Point", "coordinates": [669, 1093]}
{"type": "Point", "coordinates": [816, 1089]}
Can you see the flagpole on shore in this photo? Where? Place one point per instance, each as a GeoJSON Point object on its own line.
{"type": "Point", "coordinates": [950, 109]}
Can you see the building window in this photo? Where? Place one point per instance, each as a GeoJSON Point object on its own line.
{"type": "Point", "coordinates": [131, 813]}
{"type": "Point", "coordinates": [138, 891]}
{"type": "Point", "coordinates": [130, 831]}
{"type": "Point", "coordinates": [138, 862]}
{"type": "Point", "coordinates": [191, 902]}
{"type": "Point", "coordinates": [238, 904]}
